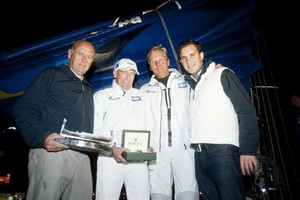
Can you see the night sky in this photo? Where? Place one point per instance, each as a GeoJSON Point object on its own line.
{"type": "Point", "coordinates": [24, 23]}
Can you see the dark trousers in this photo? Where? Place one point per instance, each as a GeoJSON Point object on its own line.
{"type": "Point", "coordinates": [218, 173]}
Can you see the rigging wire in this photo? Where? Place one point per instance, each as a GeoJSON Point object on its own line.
{"type": "Point", "coordinates": [274, 142]}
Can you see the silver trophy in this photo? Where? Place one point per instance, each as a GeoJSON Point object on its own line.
{"type": "Point", "coordinates": [85, 141]}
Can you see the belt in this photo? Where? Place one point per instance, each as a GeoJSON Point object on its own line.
{"type": "Point", "coordinates": [206, 147]}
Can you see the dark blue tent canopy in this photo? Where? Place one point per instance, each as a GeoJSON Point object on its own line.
{"type": "Point", "coordinates": [226, 33]}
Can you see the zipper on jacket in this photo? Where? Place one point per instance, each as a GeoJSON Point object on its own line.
{"type": "Point", "coordinates": [168, 104]}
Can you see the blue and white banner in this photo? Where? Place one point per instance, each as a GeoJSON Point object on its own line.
{"type": "Point", "coordinates": [226, 33]}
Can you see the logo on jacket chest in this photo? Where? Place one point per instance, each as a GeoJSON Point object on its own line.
{"type": "Point", "coordinates": [182, 85]}
{"type": "Point", "coordinates": [136, 98]}
{"type": "Point", "coordinates": [133, 98]}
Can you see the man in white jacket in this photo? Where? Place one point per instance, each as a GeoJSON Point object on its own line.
{"type": "Point", "coordinates": [223, 126]}
{"type": "Point", "coordinates": [169, 95]}
{"type": "Point", "coordinates": [117, 108]}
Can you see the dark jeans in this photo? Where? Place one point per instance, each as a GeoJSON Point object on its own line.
{"type": "Point", "coordinates": [218, 173]}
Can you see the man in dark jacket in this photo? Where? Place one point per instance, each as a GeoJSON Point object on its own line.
{"type": "Point", "coordinates": [58, 93]}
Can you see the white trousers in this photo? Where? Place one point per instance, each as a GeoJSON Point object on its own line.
{"type": "Point", "coordinates": [112, 175]}
{"type": "Point", "coordinates": [173, 165]}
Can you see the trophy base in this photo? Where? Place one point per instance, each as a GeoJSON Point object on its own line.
{"type": "Point", "coordinates": [83, 145]}
{"type": "Point", "coordinates": [139, 156]}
